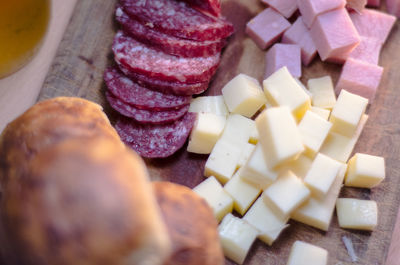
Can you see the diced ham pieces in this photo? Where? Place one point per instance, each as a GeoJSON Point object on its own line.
{"type": "Point", "coordinates": [334, 35]}
{"type": "Point", "coordinates": [299, 34]}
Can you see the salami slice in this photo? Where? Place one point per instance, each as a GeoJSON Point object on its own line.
{"type": "Point", "coordinates": [140, 97]}
{"type": "Point", "coordinates": [142, 59]}
{"type": "Point", "coordinates": [177, 19]}
{"type": "Point", "coordinates": [212, 7]}
{"type": "Point", "coordinates": [145, 116]}
{"type": "Point", "coordinates": [155, 141]}
{"type": "Point", "coordinates": [167, 43]}
{"type": "Point", "coordinates": [166, 87]}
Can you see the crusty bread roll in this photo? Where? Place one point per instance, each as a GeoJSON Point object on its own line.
{"type": "Point", "coordinates": [45, 124]}
{"type": "Point", "coordinates": [191, 226]}
{"type": "Point", "coordinates": [87, 201]}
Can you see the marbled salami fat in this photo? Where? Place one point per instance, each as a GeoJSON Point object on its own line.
{"type": "Point", "coordinates": [142, 59]}
{"type": "Point", "coordinates": [140, 97]}
{"type": "Point", "coordinates": [166, 87]}
{"type": "Point", "coordinates": [155, 141]}
{"type": "Point", "coordinates": [167, 43]}
{"type": "Point", "coordinates": [212, 7]}
{"type": "Point", "coordinates": [177, 19]}
{"type": "Point", "coordinates": [145, 116]}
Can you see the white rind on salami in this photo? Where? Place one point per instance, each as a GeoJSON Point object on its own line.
{"type": "Point", "coordinates": [166, 87]}
{"type": "Point", "coordinates": [140, 97]}
{"type": "Point", "coordinates": [155, 141]}
{"type": "Point", "coordinates": [145, 116]}
{"type": "Point", "coordinates": [167, 43]}
{"type": "Point", "coordinates": [142, 59]}
{"type": "Point", "coordinates": [177, 19]}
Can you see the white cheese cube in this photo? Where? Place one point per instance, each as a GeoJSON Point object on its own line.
{"type": "Point", "coordinates": [299, 167]}
{"type": "Point", "coordinates": [340, 147]}
{"type": "Point", "coordinates": [313, 130]}
{"type": "Point", "coordinates": [282, 89]}
{"type": "Point", "coordinates": [242, 192]}
{"type": "Point", "coordinates": [317, 212]}
{"type": "Point", "coordinates": [303, 253]}
{"type": "Point", "coordinates": [365, 171]}
{"type": "Point", "coordinates": [286, 194]}
{"type": "Point", "coordinates": [323, 113]}
{"type": "Point", "coordinates": [238, 129]}
{"type": "Point", "coordinates": [303, 87]}
{"type": "Point", "coordinates": [205, 133]}
{"type": "Point", "coordinates": [247, 150]}
{"type": "Point", "coordinates": [347, 113]}
{"type": "Point", "coordinates": [321, 175]}
{"type": "Point", "coordinates": [217, 198]}
{"type": "Point", "coordinates": [279, 136]}
{"type": "Point", "coordinates": [323, 93]}
{"type": "Point", "coordinates": [243, 95]}
{"type": "Point", "coordinates": [256, 170]}
{"type": "Point", "coordinates": [236, 237]}
{"type": "Point", "coordinates": [254, 136]}
{"type": "Point", "coordinates": [209, 104]}
{"type": "Point", "coordinates": [223, 160]}
{"type": "Point", "coordinates": [357, 214]}
{"type": "Point", "coordinates": [266, 221]}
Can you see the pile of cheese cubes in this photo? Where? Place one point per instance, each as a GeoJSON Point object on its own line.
{"type": "Point", "coordinates": [294, 154]}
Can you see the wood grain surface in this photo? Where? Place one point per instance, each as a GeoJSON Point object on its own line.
{"type": "Point", "coordinates": [86, 50]}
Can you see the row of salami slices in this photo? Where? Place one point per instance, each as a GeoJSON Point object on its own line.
{"type": "Point", "coordinates": [165, 53]}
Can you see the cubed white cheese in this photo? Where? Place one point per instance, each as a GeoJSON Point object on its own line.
{"type": "Point", "coordinates": [365, 171]}
{"type": "Point", "coordinates": [317, 212]}
{"type": "Point", "coordinates": [347, 113]}
{"type": "Point", "coordinates": [323, 113]}
{"type": "Point", "coordinates": [313, 130]}
{"type": "Point", "coordinates": [243, 95]}
{"type": "Point", "coordinates": [247, 150]}
{"type": "Point", "coordinates": [236, 236]}
{"type": "Point", "coordinates": [299, 167]}
{"type": "Point", "coordinates": [357, 214]}
{"type": "Point", "coordinates": [218, 199]}
{"type": "Point", "coordinates": [340, 147]}
{"type": "Point", "coordinates": [303, 253]}
{"type": "Point", "coordinates": [242, 192]}
{"type": "Point", "coordinates": [238, 129]}
{"type": "Point", "coordinates": [205, 133]}
{"type": "Point", "coordinates": [323, 93]}
{"type": "Point", "coordinates": [321, 175]}
{"type": "Point", "coordinates": [256, 171]}
{"type": "Point", "coordinates": [223, 160]}
{"type": "Point", "coordinates": [279, 136]}
{"type": "Point", "coordinates": [266, 221]}
{"type": "Point", "coordinates": [209, 104]}
{"type": "Point", "coordinates": [286, 194]}
{"type": "Point", "coordinates": [282, 89]}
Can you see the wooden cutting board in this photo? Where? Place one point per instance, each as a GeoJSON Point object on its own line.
{"type": "Point", "coordinates": [85, 52]}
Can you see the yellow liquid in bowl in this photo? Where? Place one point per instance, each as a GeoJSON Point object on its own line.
{"type": "Point", "coordinates": [23, 24]}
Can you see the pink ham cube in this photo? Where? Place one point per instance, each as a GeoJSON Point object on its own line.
{"type": "Point", "coordinates": [281, 55]}
{"type": "Point", "coordinates": [373, 23]}
{"type": "Point", "coordinates": [266, 28]}
{"type": "Point", "coordinates": [393, 7]}
{"type": "Point", "coordinates": [285, 7]}
{"type": "Point", "coordinates": [334, 35]}
{"type": "Point", "coordinates": [356, 5]}
{"type": "Point", "coordinates": [360, 78]}
{"type": "Point", "coordinates": [374, 3]}
{"type": "Point", "coordinates": [368, 50]}
{"type": "Point", "coordinates": [299, 34]}
{"type": "Point", "coordinates": [310, 9]}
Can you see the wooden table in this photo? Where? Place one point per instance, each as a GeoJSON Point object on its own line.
{"type": "Point", "coordinates": [84, 53]}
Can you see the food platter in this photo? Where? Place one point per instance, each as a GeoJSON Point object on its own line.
{"type": "Point", "coordinates": [85, 52]}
